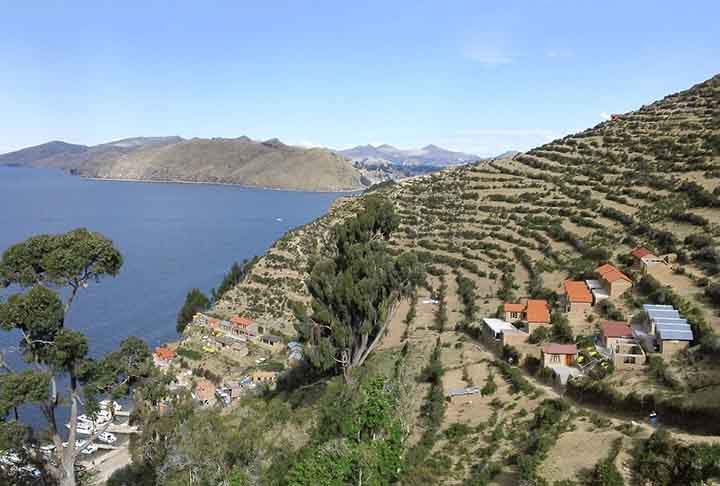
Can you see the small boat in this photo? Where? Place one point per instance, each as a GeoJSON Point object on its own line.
{"type": "Point", "coordinates": [107, 437]}
{"type": "Point", "coordinates": [105, 405]}
{"type": "Point", "coordinates": [83, 428]}
{"type": "Point", "coordinates": [279, 220]}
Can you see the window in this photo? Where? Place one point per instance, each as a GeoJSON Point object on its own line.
{"type": "Point", "coordinates": [555, 358]}
{"type": "Point", "coordinates": [629, 360]}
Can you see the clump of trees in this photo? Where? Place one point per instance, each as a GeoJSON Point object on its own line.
{"type": "Point", "coordinates": [360, 436]}
{"type": "Point", "coordinates": [466, 290]}
{"type": "Point", "coordinates": [48, 272]}
{"type": "Point", "coordinates": [354, 291]}
{"type": "Point", "coordinates": [441, 315]}
{"type": "Point", "coordinates": [195, 301]}
{"type": "Point", "coordinates": [236, 274]}
{"type": "Point", "coordinates": [660, 461]}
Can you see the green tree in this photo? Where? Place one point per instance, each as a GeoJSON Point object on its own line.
{"type": "Point", "coordinates": [195, 301]}
{"type": "Point", "coordinates": [561, 331]}
{"type": "Point", "coordinates": [236, 274]}
{"type": "Point", "coordinates": [353, 292]}
{"type": "Point", "coordinates": [67, 262]}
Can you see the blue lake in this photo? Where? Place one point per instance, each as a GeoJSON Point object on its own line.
{"type": "Point", "coordinates": [173, 237]}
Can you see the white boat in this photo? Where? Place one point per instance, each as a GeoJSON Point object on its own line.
{"type": "Point", "coordinates": [107, 438]}
{"type": "Point", "coordinates": [101, 419]}
{"type": "Point", "coordinates": [83, 428]}
{"type": "Point", "coordinates": [105, 405]}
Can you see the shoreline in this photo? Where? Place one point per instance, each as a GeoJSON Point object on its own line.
{"type": "Point", "coordinates": [230, 184]}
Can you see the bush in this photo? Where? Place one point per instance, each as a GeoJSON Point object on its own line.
{"type": "Point", "coordinates": [189, 354]}
{"type": "Point", "coordinates": [539, 335]}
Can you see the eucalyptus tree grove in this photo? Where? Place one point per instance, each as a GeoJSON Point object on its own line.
{"type": "Point", "coordinates": [47, 273]}
{"type": "Point", "coordinates": [354, 290]}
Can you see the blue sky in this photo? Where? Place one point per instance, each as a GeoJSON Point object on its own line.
{"type": "Point", "coordinates": [474, 75]}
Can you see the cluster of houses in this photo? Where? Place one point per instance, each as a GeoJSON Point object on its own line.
{"type": "Point", "coordinates": [579, 296]}
{"type": "Point", "coordinates": [662, 328]}
{"type": "Point", "coordinates": [232, 334]}
{"type": "Point", "coordinates": [236, 332]}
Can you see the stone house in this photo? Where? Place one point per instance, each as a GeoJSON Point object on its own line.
{"type": "Point", "coordinates": [615, 282]}
{"type": "Point", "coordinates": [576, 297]}
{"type": "Point", "coordinates": [619, 342]}
{"type": "Point", "coordinates": [555, 355]}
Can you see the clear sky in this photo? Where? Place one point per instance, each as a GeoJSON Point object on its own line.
{"type": "Point", "coordinates": [479, 76]}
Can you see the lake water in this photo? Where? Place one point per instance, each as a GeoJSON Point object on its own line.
{"type": "Point", "coordinates": [172, 236]}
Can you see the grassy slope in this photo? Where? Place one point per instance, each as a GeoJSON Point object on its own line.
{"type": "Point", "coordinates": [474, 219]}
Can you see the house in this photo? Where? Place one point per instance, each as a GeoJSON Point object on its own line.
{"type": "Point", "coordinates": [537, 314]}
{"type": "Point", "coordinates": [612, 331]}
{"type": "Point", "coordinates": [503, 332]}
{"type": "Point", "coordinates": [163, 356]}
{"type": "Point", "coordinates": [273, 342]}
{"type": "Point", "coordinates": [232, 344]}
{"type": "Point", "coordinates": [619, 342]}
{"type": "Point", "coordinates": [672, 331]}
{"type": "Point", "coordinates": [514, 312]}
{"type": "Point", "coordinates": [577, 297]}
{"type": "Point", "coordinates": [644, 258]}
{"type": "Point", "coordinates": [673, 340]}
{"type": "Point", "coordinates": [615, 282]}
{"type": "Point", "coordinates": [554, 355]}
{"type": "Point", "coordinates": [205, 391]}
{"type": "Point", "coordinates": [264, 377]}
{"type": "Point", "coordinates": [240, 327]}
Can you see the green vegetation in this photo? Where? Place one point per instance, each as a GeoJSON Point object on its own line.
{"type": "Point", "coordinates": [354, 291]}
{"type": "Point", "coordinates": [53, 350]}
{"type": "Point", "coordinates": [441, 316]}
{"type": "Point", "coordinates": [661, 461]}
{"type": "Point", "coordinates": [195, 301]}
{"type": "Point", "coordinates": [466, 291]}
{"type": "Point", "coordinates": [237, 273]}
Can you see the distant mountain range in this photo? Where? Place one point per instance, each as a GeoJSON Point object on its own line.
{"type": "Point", "coordinates": [430, 155]}
{"type": "Point", "coordinates": [242, 161]}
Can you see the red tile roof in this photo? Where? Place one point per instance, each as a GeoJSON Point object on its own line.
{"type": "Point", "coordinates": [213, 322]}
{"type": "Point", "coordinates": [538, 311]}
{"type": "Point", "coordinates": [611, 273]}
{"type": "Point", "coordinates": [514, 307]}
{"type": "Point", "coordinates": [615, 329]}
{"type": "Point", "coordinates": [164, 353]}
{"type": "Point", "coordinates": [640, 252]}
{"type": "Point", "coordinates": [554, 348]}
{"type": "Point", "coordinates": [241, 321]}
{"type": "Point", "coordinates": [577, 291]}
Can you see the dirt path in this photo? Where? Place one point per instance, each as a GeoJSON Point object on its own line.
{"type": "Point", "coordinates": [108, 464]}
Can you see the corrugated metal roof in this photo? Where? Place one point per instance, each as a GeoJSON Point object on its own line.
{"type": "Point", "coordinates": [498, 325]}
{"type": "Point", "coordinates": [658, 314]}
{"type": "Point", "coordinates": [594, 284]}
{"type": "Point", "coordinates": [657, 307]}
{"type": "Point", "coordinates": [678, 335]}
{"type": "Point", "coordinates": [672, 325]}
{"type": "Point", "coordinates": [671, 320]}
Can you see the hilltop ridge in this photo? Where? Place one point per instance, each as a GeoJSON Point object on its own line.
{"type": "Point", "coordinates": [242, 161]}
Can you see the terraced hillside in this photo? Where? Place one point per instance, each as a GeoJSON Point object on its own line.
{"type": "Point", "coordinates": [515, 228]}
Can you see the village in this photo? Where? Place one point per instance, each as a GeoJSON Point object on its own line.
{"type": "Point", "coordinates": [614, 345]}
{"type": "Point", "coordinates": [220, 360]}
